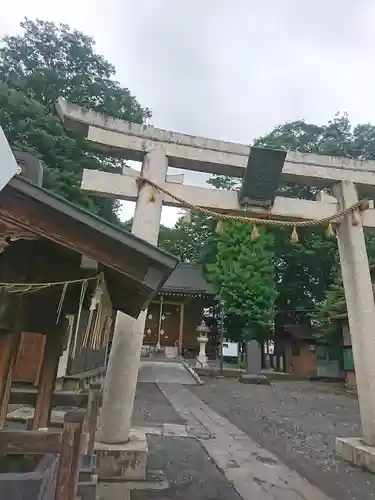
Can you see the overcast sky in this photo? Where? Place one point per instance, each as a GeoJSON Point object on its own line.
{"type": "Point", "coordinates": [229, 69]}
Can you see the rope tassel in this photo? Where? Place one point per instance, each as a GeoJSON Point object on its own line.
{"type": "Point", "coordinates": [329, 231]}
{"type": "Point", "coordinates": [255, 233]}
{"type": "Point", "coordinates": [356, 218]}
{"type": "Point", "coordinates": [294, 236]}
{"type": "Point", "coordinates": [153, 194]}
{"type": "Point", "coordinates": [186, 219]}
{"type": "Point", "coordinates": [219, 227]}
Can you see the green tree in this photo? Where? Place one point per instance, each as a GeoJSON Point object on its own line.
{"type": "Point", "coordinates": [244, 277]}
{"type": "Point", "coordinates": [28, 127]}
{"type": "Point", "coordinates": [191, 241]}
{"type": "Point", "coordinates": [47, 61]}
{"type": "Point", "coordinates": [168, 238]}
{"type": "Point", "coordinates": [334, 304]}
{"type": "Point", "coordinates": [304, 272]}
{"type": "Point", "coordinates": [307, 270]}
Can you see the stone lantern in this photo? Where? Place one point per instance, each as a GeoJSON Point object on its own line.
{"type": "Point", "coordinates": [203, 331]}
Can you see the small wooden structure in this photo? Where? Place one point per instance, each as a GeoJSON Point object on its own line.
{"type": "Point", "coordinates": [304, 356]}
{"type": "Point", "coordinates": [173, 316]}
{"type": "Point", "coordinates": [347, 352]}
{"type": "Point", "coordinates": [46, 240]}
{"type": "Point", "coordinates": [58, 262]}
{"type": "Point", "coordinates": [54, 475]}
{"type": "Point", "coordinates": [299, 350]}
{"type": "Point", "coordinates": [57, 464]}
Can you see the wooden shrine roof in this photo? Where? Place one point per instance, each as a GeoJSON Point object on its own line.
{"type": "Point", "coordinates": [300, 332]}
{"type": "Point", "coordinates": [187, 279]}
{"type": "Point", "coordinates": [134, 269]}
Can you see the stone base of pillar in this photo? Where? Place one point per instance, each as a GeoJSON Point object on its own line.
{"type": "Point", "coordinates": [250, 378]}
{"type": "Point", "coordinates": [201, 362]}
{"type": "Point", "coordinates": [357, 452]}
{"type": "Point", "coordinates": [124, 461]}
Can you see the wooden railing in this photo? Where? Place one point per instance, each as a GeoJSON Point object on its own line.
{"type": "Point", "coordinates": [92, 414]}
{"type": "Point", "coordinates": [70, 451]}
{"type": "Point", "coordinates": [21, 442]}
{"type": "Point", "coordinates": [65, 443]}
{"type": "Point", "coordinates": [75, 439]}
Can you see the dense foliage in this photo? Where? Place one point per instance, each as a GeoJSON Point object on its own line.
{"type": "Point", "coordinates": [243, 274]}
{"type": "Point", "coordinates": [44, 62]}
{"type": "Point", "coordinates": [334, 304]}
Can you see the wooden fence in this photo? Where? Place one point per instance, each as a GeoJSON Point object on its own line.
{"type": "Point", "coordinates": [75, 440]}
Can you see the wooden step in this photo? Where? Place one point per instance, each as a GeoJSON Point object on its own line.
{"type": "Point", "coordinates": [87, 490]}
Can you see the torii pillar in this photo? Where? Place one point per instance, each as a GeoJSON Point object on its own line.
{"type": "Point", "coordinates": [124, 360]}
{"type": "Point", "coordinates": [361, 315]}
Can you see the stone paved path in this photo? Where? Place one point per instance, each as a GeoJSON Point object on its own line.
{"type": "Point", "coordinates": [254, 472]}
{"type": "Point", "coordinates": [298, 422]}
{"type": "Point", "coordinates": [151, 407]}
{"type": "Point", "coordinates": [191, 473]}
{"type": "Point", "coordinates": [163, 371]}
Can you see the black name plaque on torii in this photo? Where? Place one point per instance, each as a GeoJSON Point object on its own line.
{"type": "Point", "coordinates": [262, 177]}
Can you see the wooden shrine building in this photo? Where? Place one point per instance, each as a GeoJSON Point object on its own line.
{"type": "Point", "coordinates": [342, 323]}
{"type": "Point", "coordinates": [62, 270]}
{"type": "Point", "coordinates": [178, 309]}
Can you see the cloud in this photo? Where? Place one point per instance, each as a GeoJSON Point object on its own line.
{"type": "Point", "coordinates": [231, 69]}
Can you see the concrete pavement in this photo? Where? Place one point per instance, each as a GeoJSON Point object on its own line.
{"type": "Point", "coordinates": [165, 372]}
{"type": "Point", "coordinates": [253, 471]}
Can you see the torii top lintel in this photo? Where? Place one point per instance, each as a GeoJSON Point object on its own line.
{"type": "Point", "coordinates": [131, 141]}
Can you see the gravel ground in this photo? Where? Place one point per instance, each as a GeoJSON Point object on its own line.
{"type": "Point", "coordinates": [298, 421]}
{"type": "Point", "coordinates": [152, 407]}
{"type": "Point", "coordinates": [190, 472]}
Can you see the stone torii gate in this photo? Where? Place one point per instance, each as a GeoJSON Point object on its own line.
{"type": "Point", "coordinates": [157, 149]}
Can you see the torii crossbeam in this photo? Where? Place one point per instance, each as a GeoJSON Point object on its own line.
{"type": "Point", "coordinates": [158, 149]}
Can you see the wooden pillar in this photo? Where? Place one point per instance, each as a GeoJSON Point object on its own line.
{"type": "Point", "coordinates": [92, 414]}
{"type": "Point", "coordinates": [6, 339]}
{"type": "Point", "coordinates": [47, 378]}
{"type": "Point", "coordinates": [14, 268]}
{"type": "Point", "coordinates": [9, 343]}
{"type": "Point", "coordinates": [181, 330]}
{"type": "Point", "coordinates": [67, 349]}
{"type": "Point", "coordinates": [68, 471]}
{"type": "Point", "coordinates": [158, 346]}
